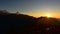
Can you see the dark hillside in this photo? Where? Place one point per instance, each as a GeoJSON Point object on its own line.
{"type": "Point", "coordinates": [13, 22]}
{"type": "Point", "coordinates": [23, 24]}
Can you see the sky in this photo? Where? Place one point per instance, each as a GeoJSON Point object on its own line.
{"type": "Point", "coordinates": [34, 8]}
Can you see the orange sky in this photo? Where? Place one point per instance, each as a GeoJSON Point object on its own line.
{"type": "Point", "coordinates": [52, 13]}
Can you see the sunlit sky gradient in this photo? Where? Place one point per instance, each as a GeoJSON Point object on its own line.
{"type": "Point", "coordinates": [34, 8]}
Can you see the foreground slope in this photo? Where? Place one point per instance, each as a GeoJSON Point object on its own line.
{"type": "Point", "coordinates": [11, 23]}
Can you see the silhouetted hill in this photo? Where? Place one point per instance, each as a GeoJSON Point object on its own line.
{"type": "Point", "coordinates": [55, 21]}
{"type": "Point", "coordinates": [45, 25]}
{"type": "Point", "coordinates": [52, 23]}
{"type": "Point", "coordinates": [11, 23]}
{"type": "Point", "coordinates": [2, 12]}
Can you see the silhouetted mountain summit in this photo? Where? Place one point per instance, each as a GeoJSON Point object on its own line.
{"type": "Point", "coordinates": [3, 12]}
{"type": "Point", "coordinates": [12, 23]}
{"type": "Point", "coordinates": [54, 21]}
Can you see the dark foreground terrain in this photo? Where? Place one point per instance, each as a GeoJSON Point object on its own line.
{"type": "Point", "coordinates": [24, 24]}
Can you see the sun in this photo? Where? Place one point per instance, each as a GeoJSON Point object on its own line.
{"type": "Point", "coordinates": [47, 15]}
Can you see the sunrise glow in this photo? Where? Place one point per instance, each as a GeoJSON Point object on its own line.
{"type": "Point", "coordinates": [48, 15]}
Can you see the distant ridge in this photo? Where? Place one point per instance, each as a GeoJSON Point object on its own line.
{"type": "Point", "coordinates": [13, 23]}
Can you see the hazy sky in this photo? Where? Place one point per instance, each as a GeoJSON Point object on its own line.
{"type": "Point", "coordinates": [32, 7]}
